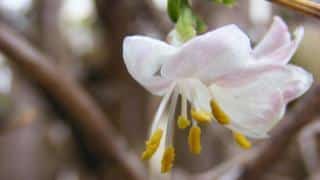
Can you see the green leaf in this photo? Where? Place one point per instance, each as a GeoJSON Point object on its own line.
{"type": "Point", "coordinates": [185, 24]}
{"type": "Point", "coordinates": [173, 8]}
{"type": "Point", "coordinates": [200, 25]}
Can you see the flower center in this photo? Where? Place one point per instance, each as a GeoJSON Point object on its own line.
{"type": "Point", "coordinates": [203, 109]}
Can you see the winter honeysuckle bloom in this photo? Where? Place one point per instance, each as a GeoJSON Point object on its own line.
{"type": "Point", "coordinates": [220, 78]}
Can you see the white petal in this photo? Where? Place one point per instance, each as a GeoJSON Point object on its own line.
{"type": "Point", "coordinates": [144, 57]}
{"type": "Point", "coordinates": [210, 55]}
{"type": "Point", "coordinates": [277, 36]}
{"type": "Point", "coordinates": [255, 99]}
{"type": "Point", "coordinates": [301, 81]}
{"type": "Point", "coordinates": [196, 93]}
{"type": "Point", "coordinates": [277, 46]}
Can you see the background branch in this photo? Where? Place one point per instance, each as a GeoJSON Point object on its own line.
{"type": "Point", "coordinates": [303, 6]}
{"type": "Point", "coordinates": [98, 133]}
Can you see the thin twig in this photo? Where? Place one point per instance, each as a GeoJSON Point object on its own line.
{"type": "Point", "coordinates": [97, 131]}
{"type": "Point", "coordinates": [303, 113]}
{"type": "Point", "coordinates": [303, 6]}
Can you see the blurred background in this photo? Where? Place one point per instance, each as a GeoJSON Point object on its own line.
{"type": "Point", "coordinates": [84, 38]}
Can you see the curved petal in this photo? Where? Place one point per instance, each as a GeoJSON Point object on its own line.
{"type": "Point", "coordinates": [277, 46]}
{"type": "Point", "coordinates": [210, 55]}
{"type": "Point", "coordinates": [255, 99]}
{"type": "Point", "coordinates": [144, 57]}
{"type": "Point", "coordinates": [300, 83]}
{"type": "Point", "coordinates": [277, 36]}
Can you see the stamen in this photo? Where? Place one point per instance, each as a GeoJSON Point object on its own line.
{"type": "Point", "coordinates": [152, 144]}
{"type": "Point", "coordinates": [162, 107]}
{"type": "Point", "coordinates": [218, 113]}
{"type": "Point", "coordinates": [171, 119]}
{"type": "Point", "coordinates": [194, 139]}
{"type": "Point", "coordinates": [167, 159]}
{"type": "Point", "coordinates": [242, 140]}
{"type": "Point", "coordinates": [201, 116]}
{"type": "Point", "coordinates": [183, 122]}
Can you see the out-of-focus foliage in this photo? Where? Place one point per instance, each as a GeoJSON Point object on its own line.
{"type": "Point", "coordinates": [187, 23]}
{"type": "Point", "coordinates": [174, 8]}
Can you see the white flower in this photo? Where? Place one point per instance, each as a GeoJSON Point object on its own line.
{"type": "Point", "coordinates": [222, 78]}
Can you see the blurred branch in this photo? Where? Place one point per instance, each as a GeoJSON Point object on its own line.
{"type": "Point", "coordinates": [303, 113]}
{"type": "Point", "coordinates": [98, 133]}
{"type": "Point", "coordinates": [304, 6]}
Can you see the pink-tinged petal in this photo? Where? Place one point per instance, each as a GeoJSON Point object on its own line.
{"type": "Point", "coordinates": [210, 55]}
{"type": "Point", "coordinates": [291, 80]}
{"type": "Point", "coordinates": [277, 36]}
{"type": "Point", "coordinates": [277, 47]}
{"type": "Point", "coordinates": [284, 53]}
{"type": "Point", "coordinates": [245, 76]}
{"type": "Point", "coordinates": [144, 57]}
{"type": "Point", "coordinates": [255, 99]}
{"type": "Point", "coordinates": [251, 114]}
{"type": "Point", "coordinates": [301, 82]}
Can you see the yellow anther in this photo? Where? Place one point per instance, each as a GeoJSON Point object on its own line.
{"type": "Point", "coordinates": [218, 113]}
{"type": "Point", "coordinates": [242, 140]}
{"type": "Point", "coordinates": [152, 144]}
{"type": "Point", "coordinates": [167, 159]}
{"type": "Point", "coordinates": [194, 140]}
{"type": "Point", "coordinates": [201, 116]}
{"type": "Point", "coordinates": [183, 122]}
